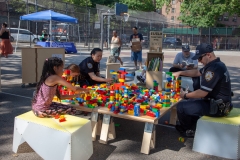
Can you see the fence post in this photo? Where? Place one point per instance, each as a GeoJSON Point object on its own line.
{"type": "Point", "coordinates": [88, 29]}
{"type": "Point", "coordinates": [226, 41]}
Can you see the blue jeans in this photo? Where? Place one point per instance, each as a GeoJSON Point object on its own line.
{"type": "Point", "coordinates": [136, 56]}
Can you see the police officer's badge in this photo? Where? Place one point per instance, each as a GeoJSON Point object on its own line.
{"type": "Point", "coordinates": [209, 75]}
{"type": "Point", "coordinates": [89, 65]}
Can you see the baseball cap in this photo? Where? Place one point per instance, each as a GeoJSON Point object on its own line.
{"type": "Point", "coordinates": [186, 48]}
{"type": "Point", "coordinates": [202, 49]}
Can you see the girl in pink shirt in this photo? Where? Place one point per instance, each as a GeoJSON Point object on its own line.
{"type": "Point", "coordinates": [42, 104]}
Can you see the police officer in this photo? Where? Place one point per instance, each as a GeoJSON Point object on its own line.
{"type": "Point", "coordinates": [90, 69]}
{"type": "Point", "coordinates": [214, 96]}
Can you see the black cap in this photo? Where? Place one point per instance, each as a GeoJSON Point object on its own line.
{"type": "Point", "coordinates": [202, 49]}
{"type": "Point", "coordinates": [185, 48]}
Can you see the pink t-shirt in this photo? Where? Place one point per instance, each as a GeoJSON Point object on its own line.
{"type": "Point", "coordinates": [44, 97]}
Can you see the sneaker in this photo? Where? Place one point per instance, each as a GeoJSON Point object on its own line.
{"type": "Point", "coordinates": [140, 79]}
{"type": "Point", "coordinates": [189, 133]}
{"type": "Point", "coordinates": [180, 129]}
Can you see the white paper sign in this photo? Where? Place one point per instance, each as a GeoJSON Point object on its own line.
{"type": "Point", "coordinates": [57, 55]}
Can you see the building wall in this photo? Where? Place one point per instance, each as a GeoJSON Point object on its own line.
{"type": "Point", "coordinates": [174, 13]}
{"type": "Point", "coordinates": [3, 9]}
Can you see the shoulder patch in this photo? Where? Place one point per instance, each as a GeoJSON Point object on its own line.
{"type": "Point", "coordinates": [89, 65]}
{"type": "Point", "coordinates": [209, 75]}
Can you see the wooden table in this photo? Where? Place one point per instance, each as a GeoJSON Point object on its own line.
{"type": "Point", "coordinates": [105, 127]}
{"type": "Point", "coordinates": [108, 127]}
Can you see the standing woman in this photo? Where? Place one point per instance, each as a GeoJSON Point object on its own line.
{"type": "Point", "coordinates": [116, 44]}
{"type": "Point", "coordinates": [6, 46]}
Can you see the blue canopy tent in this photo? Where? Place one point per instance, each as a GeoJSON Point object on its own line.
{"type": "Point", "coordinates": [47, 16]}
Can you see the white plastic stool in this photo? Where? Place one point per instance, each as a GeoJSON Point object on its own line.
{"type": "Point", "coordinates": [219, 136]}
{"type": "Point", "coordinates": [52, 139]}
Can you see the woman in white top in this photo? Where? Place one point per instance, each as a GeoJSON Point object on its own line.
{"type": "Point", "coordinates": [116, 46]}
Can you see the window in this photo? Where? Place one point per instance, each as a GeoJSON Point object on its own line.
{"type": "Point", "coordinates": [172, 18]}
{"type": "Point", "coordinates": [225, 18]}
{"type": "Point", "coordinates": [173, 10]}
{"type": "Point", "coordinates": [234, 19]}
{"type": "Point", "coordinates": [13, 31]}
{"type": "Point", "coordinates": [24, 32]}
{"type": "Point", "coordinates": [173, 2]}
{"type": "Point", "coordinates": [220, 18]}
{"type": "Point", "coordinates": [167, 10]}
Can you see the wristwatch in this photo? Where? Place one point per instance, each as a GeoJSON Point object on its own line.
{"type": "Point", "coordinates": [185, 96]}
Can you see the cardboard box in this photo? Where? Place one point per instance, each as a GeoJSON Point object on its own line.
{"type": "Point", "coordinates": [136, 45]}
{"type": "Point", "coordinates": [111, 66]}
{"type": "Point", "coordinates": [153, 75]}
{"type": "Point", "coordinates": [155, 44]}
{"type": "Point", "coordinates": [29, 67]}
{"type": "Point", "coordinates": [43, 54]}
{"type": "Point", "coordinates": [33, 60]}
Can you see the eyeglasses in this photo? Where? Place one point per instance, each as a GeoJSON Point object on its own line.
{"type": "Point", "coordinates": [200, 58]}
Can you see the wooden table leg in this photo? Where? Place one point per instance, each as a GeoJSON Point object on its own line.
{"type": "Point", "coordinates": [105, 129]}
{"type": "Point", "coordinates": [112, 133]}
{"type": "Point", "coordinates": [99, 125]}
{"type": "Point", "coordinates": [148, 138]}
{"type": "Point", "coordinates": [173, 116]}
{"type": "Point", "coordinates": [94, 120]}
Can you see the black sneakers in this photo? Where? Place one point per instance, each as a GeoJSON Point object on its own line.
{"type": "Point", "coordinates": [141, 79]}
{"type": "Point", "coordinates": [185, 133]}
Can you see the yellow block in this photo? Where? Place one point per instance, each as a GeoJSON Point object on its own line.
{"type": "Point", "coordinates": [233, 118]}
{"type": "Point", "coordinates": [121, 80]}
{"type": "Point", "coordinates": [71, 124]}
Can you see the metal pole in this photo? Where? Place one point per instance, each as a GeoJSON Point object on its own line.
{"type": "Point", "coordinates": [108, 32]}
{"type": "Point", "coordinates": [101, 44]}
{"type": "Point", "coordinates": [192, 35]}
{"type": "Point", "coordinates": [17, 36]}
{"type": "Point", "coordinates": [36, 9]}
{"type": "Point", "coordinates": [88, 29]}
{"type": "Point", "coordinates": [8, 13]}
{"type": "Point", "coordinates": [50, 32]}
{"type": "Point", "coordinates": [226, 41]}
{"type": "Point", "coordinates": [209, 33]}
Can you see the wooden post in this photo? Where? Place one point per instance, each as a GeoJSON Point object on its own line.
{"type": "Point", "coordinates": [94, 120]}
{"type": "Point", "coordinates": [147, 138]}
{"type": "Point", "coordinates": [173, 115]}
{"type": "Point", "coordinates": [105, 129]}
{"type": "Point", "coordinates": [112, 133]}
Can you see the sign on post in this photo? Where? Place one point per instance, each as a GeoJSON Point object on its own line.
{"type": "Point", "coordinates": [156, 41]}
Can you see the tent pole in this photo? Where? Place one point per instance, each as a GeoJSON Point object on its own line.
{"type": "Point", "coordinates": [50, 32]}
{"type": "Point", "coordinates": [79, 38]}
{"type": "Point", "coordinates": [17, 36]}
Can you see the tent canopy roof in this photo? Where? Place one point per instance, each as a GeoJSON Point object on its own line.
{"type": "Point", "coordinates": [47, 16]}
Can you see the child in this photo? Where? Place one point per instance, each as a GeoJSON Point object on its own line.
{"type": "Point", "coordinates": [74, 72]}
{"type": "Point", "coordinates": [47, 87]}
{"type": "Point", "coordinates": [142, 77]}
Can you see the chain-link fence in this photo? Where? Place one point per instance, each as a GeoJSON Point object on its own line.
{"type": "Point", "coordinates": [90, 28]}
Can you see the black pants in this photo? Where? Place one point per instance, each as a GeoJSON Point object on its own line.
{"type": "Point", "coordinates": [196, 80]}
{"type": "Point", "coordinates": [189, 111]}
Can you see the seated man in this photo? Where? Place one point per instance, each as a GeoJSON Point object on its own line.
{"type": "Point", "coordinates": [183, 61]}
{"type": "Point", "coordinates": [214, 96]}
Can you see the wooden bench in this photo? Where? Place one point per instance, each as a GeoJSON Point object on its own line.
{"type": "Point", "coordinates": [54, 140]}
{"type": "Point", "coordinates": [219, 136]}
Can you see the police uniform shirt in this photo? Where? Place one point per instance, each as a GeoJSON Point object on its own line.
{"type": "Point", "coordinates": [88, 66]}
{"type": "Point", "coordinates": [216, 81]}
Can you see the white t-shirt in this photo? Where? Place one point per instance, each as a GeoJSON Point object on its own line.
{"type": "Point", "coordinates": [180, 58]}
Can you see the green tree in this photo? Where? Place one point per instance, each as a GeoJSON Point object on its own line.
{"type": "Point", "coordinates": [140, 5]}
{"type": "Point", "coordinates": [80, 2]}
{"type": "Point", "coordinates": [203, 13]}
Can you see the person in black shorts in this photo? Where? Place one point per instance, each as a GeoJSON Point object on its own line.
{"type": "Point", "coordinates": [215, 86]}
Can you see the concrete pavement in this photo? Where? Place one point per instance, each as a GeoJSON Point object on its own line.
{"type": "Point", "coordinates": [15, 100]}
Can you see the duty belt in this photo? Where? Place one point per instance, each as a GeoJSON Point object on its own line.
{"type": "Point", "coordinates": [219, 108]}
